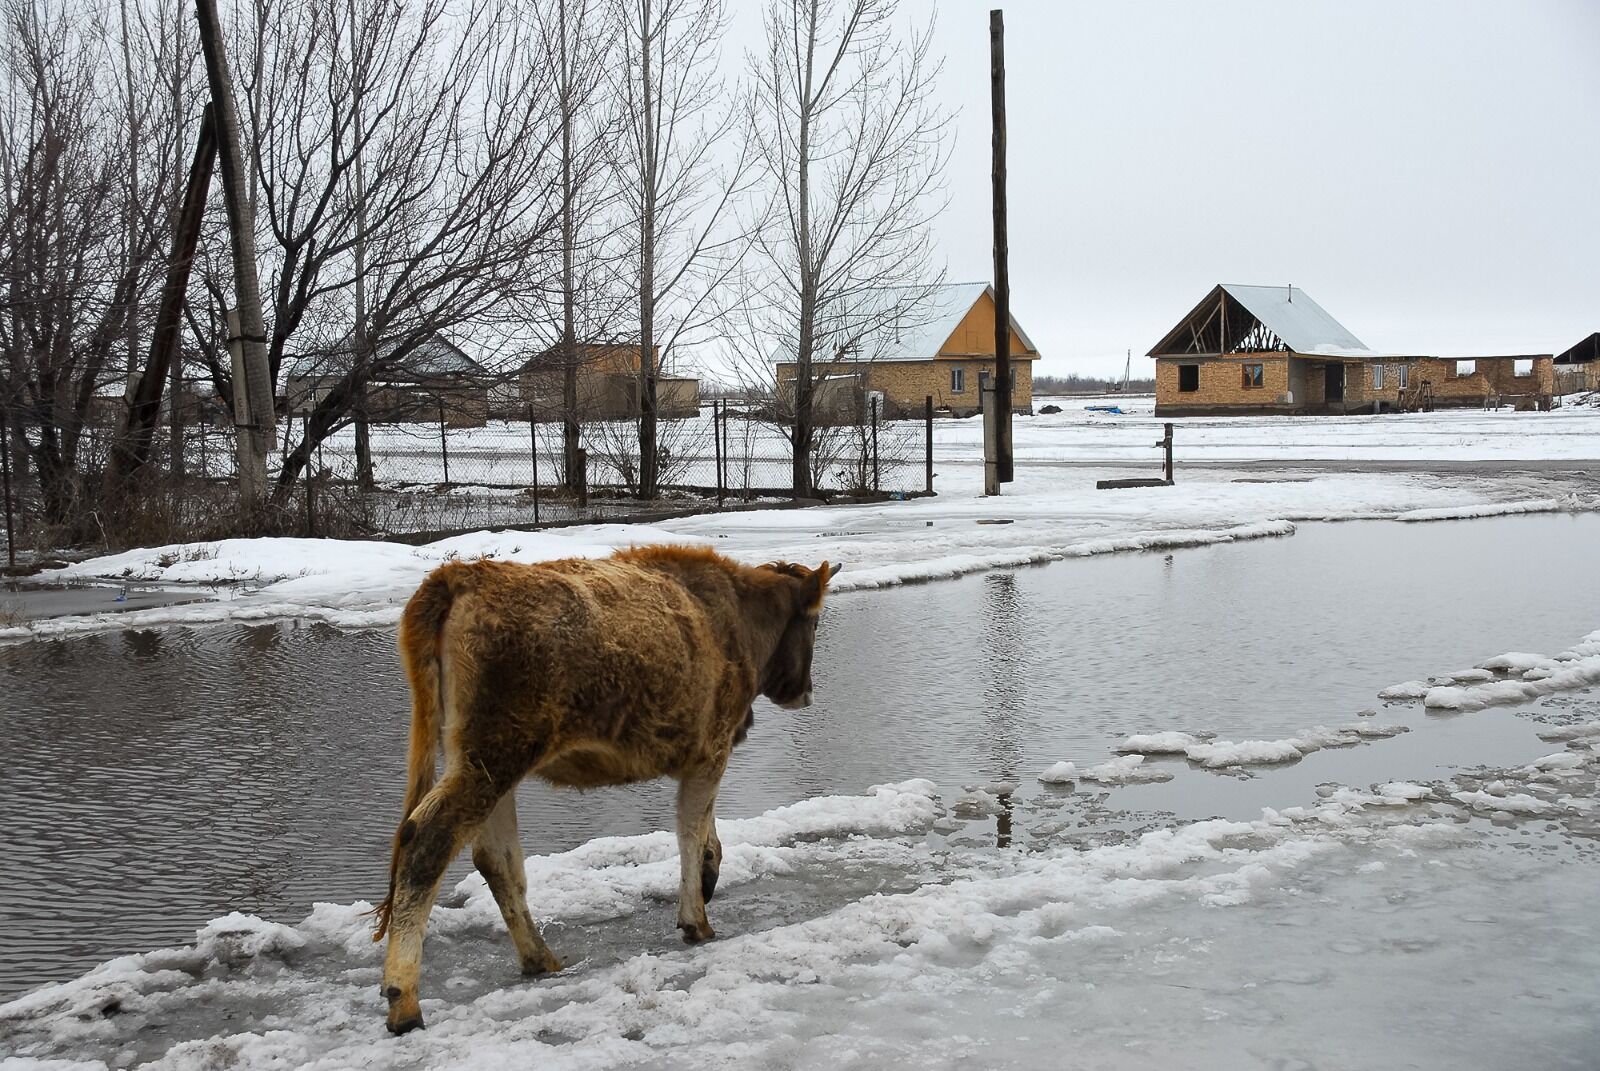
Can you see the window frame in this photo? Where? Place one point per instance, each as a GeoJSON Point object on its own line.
{"type": "Point", "coordinates": [1377, 375]}
{"type": "Point", "coordinates": [1195, 389]}
{"type": "Point", "coordinates": [958, 380]}
{"type": "Point", "coordinates": [1403, 376]}
{"type": "Point", "coordinates": [1253, 382]}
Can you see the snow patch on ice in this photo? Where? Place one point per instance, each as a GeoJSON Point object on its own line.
{"type": "Point", "coordinates": [1170, 742]}
{"type": "Point", "coordinates": [1125, 770]}
{"type": "Point", "coordinates": [1060, 773]}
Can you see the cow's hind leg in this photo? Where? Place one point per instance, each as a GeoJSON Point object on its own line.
{"type": "Point", "coordinates": [429, 838]}
{"type": "Point", "coordinates": [697, 792]}
{"type": "Point", "coordinates": [711, 860]}
{"type": "Point", "coordinates": [498, 857]}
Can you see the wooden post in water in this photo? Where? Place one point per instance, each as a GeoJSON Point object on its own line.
{"type": "Point", "coordinates": [988, 398]}
{"type": "Point", "coordinates": [1002, 276]}
{"type": "Point", "coordinates": [1166, 443]}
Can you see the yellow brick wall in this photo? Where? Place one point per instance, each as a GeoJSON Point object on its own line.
{"type": "Point", "coordinates": [1222, 382]}
{"type": "Point", "coordinates": [906, 384]}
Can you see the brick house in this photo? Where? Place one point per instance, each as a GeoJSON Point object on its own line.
{"type": "Point", "coordinates": [1272, 349]}
{"type": "Point", "coordinates": [941, 345]}
{"type": "Point", "coordinates": [608, 385]}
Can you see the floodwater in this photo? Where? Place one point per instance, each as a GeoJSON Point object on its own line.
{"type": "Point", "coordinates": [157, 779]}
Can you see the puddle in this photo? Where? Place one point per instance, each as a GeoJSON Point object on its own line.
{"type": "Point", "coordinates": [159, 779]}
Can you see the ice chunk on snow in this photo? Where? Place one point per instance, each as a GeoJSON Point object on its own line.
{"type": "Point", "coordinates": [1575, 673]}
{"type": "Point", "coordinates": [1404, 790]}
{"type": "Point", "coordinates": [1381, 732]}
{"type": "Point", "coordinates": [1166, 743]}
{"type": "Point", "coordinates": [1061, 773]}
{"type": "Point", "coordinates": [1125, 770]}
{"type": "Point", "coordinates": [1561, 760]}
{"type": "Point", "coordinates": [1513, 803]}
{"type": "Point", "coordinates": [1405, 690]}
{"type": "Point", "coordinates": [1571, 732]}
{"type": "Point", "coordinates": [1244, 752]}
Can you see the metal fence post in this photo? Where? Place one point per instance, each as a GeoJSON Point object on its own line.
{"type": "Point", "coordinates": [533, 440]}
{"type": "Point", "coordinates": [444, 444]}
{"type": "Point", "coordinates": [716, 444]}
{"type": "Point", "coordinates": [581, 456]}
{"type": "Point", "coordinates": [307, 475]}
{"type": "Point", "coordinates": [5, 467]}
{"type": "Point", "coordinates": [876, 480]}
{"type": "Point", "coordinates": [927, 442]}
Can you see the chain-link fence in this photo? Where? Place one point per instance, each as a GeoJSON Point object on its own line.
{"type": "Point", "coordinates": [449, 474]}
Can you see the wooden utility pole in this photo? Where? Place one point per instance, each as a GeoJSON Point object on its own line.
{"type": "Point", "coordinates": [1002, 277]}
{"type": "Point", "coordinates": [255, 431]}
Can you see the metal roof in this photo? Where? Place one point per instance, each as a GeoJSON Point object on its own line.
{"type": "Point", "coordinates": [1302, 324]}
{"type": "Point", "coordinates": [916, 332]}
{"type": "Point", "coordinates": [434, 358]}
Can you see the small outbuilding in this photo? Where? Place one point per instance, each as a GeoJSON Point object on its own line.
{"type": "Point", "coordinates": [436, 379]}
{"type": "Point", "coordinates": [607, 382]}
{"type": "Point", "coordinates": [1579, 367]}
{"type": "Point", "coordinates": [1272, 349]}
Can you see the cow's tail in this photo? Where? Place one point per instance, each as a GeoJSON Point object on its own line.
{"type": "Point", "coordinates": [421, 639]}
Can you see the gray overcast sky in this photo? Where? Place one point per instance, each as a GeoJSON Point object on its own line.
{"type": "Point", "coordinates": [1427, 170]}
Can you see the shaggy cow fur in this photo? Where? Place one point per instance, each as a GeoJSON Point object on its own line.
{"type": "Point", "coordinates": [584, 673]}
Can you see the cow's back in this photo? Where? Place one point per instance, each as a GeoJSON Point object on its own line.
{"type": "Point", "coordinates": [590, 672]}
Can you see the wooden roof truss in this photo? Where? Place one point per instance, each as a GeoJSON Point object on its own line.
{"type": "Point", "coordinates": [1219, 325]}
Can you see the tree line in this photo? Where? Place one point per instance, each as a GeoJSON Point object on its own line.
{"type": "Point", "coordinates": [527, 176]}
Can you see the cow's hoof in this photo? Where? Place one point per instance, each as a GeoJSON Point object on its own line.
{"type": "Point", "coordinates": [405, 1013]}
{"type": "Point", "coordinates": [548, 965]}
{"type": "Point", "coordinates": [404, 1026]}
{"type": "Point", "coordinates": [695, 932]}
{"type": "Point", "coordinates": [708, 880]}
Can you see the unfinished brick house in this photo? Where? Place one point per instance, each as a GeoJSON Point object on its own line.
{"type": "Point", "coordinates": [941, 347]}
{"type": "Point", "coordinates": [1272, 349]}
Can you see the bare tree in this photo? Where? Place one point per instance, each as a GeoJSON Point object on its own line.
{"type": "Point", "coordinates": [852, 150]}
{"type": "Point", "coordinates": [87, 169]}
{"type": "Point", "coordinates": [681, 181]}
{"type": "Point", "coordinates": [422, 137]}
{"type": "Point", "coordinates": [582, 43]}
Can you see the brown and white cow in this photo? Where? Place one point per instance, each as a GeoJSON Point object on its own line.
{"type": "Point", "coordinates": [584, 673]}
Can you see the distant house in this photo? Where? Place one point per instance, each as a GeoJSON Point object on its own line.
{"type": "Point", "coordinates": [1579, 367]}
{"type": "Point", "coordinates": [1271, 349]}
{"type": "Point", "coordinates": [942, 346]}
{"type": "Point", "coordinates": [608, 385]}
{"type": "Point", "coordinates": [433, 381]}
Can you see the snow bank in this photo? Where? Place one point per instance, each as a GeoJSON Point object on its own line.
{"type": "Point", "coordinates": [1488, 509]}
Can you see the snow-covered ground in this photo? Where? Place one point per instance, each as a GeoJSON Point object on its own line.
{"type": "Point", "coordinates": [1254, 484]}
{"type": "Point", "coordinates": [1366, 927]}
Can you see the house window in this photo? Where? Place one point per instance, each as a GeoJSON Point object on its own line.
{"type": "Point", "coordinates": [1466, 368]}
{"type": "Point", "coordinates": [1402, 373]}
{"type": "Point", "coordinates": [1377, 377]}
{"type": "Point", "coordinates": [1253, 378]}
{"type": "Point", "coordinates": [958, 381]}
{"type": "Point", "coordinates": [1188, 378]}
{"type": "Point", "coordinates": [1522, 368]}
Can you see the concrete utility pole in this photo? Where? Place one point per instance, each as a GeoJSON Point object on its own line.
{"type": "Point", "coordinates": [1002, 276]}
{"type": "Point", "coordinates": [255, 429]}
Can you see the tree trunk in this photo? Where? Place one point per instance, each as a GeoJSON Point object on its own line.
{"type": "Point", "coordinates": [571, 431]}
{"type": "Point", "coordinates": [132, 450]}
{"type": "Point", "coordinates": [256, 438]}
{"type": "Point", "coordinates": [647, 258]}
{"type": "Point", "coordinates": [805, 336]}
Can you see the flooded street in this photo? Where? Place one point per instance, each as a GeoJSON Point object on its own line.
{"type": "Point", "coordinates": [159, 779]}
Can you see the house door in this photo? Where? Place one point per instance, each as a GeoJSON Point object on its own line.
{"type": "Point", "coordinates": [1333, 382]}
